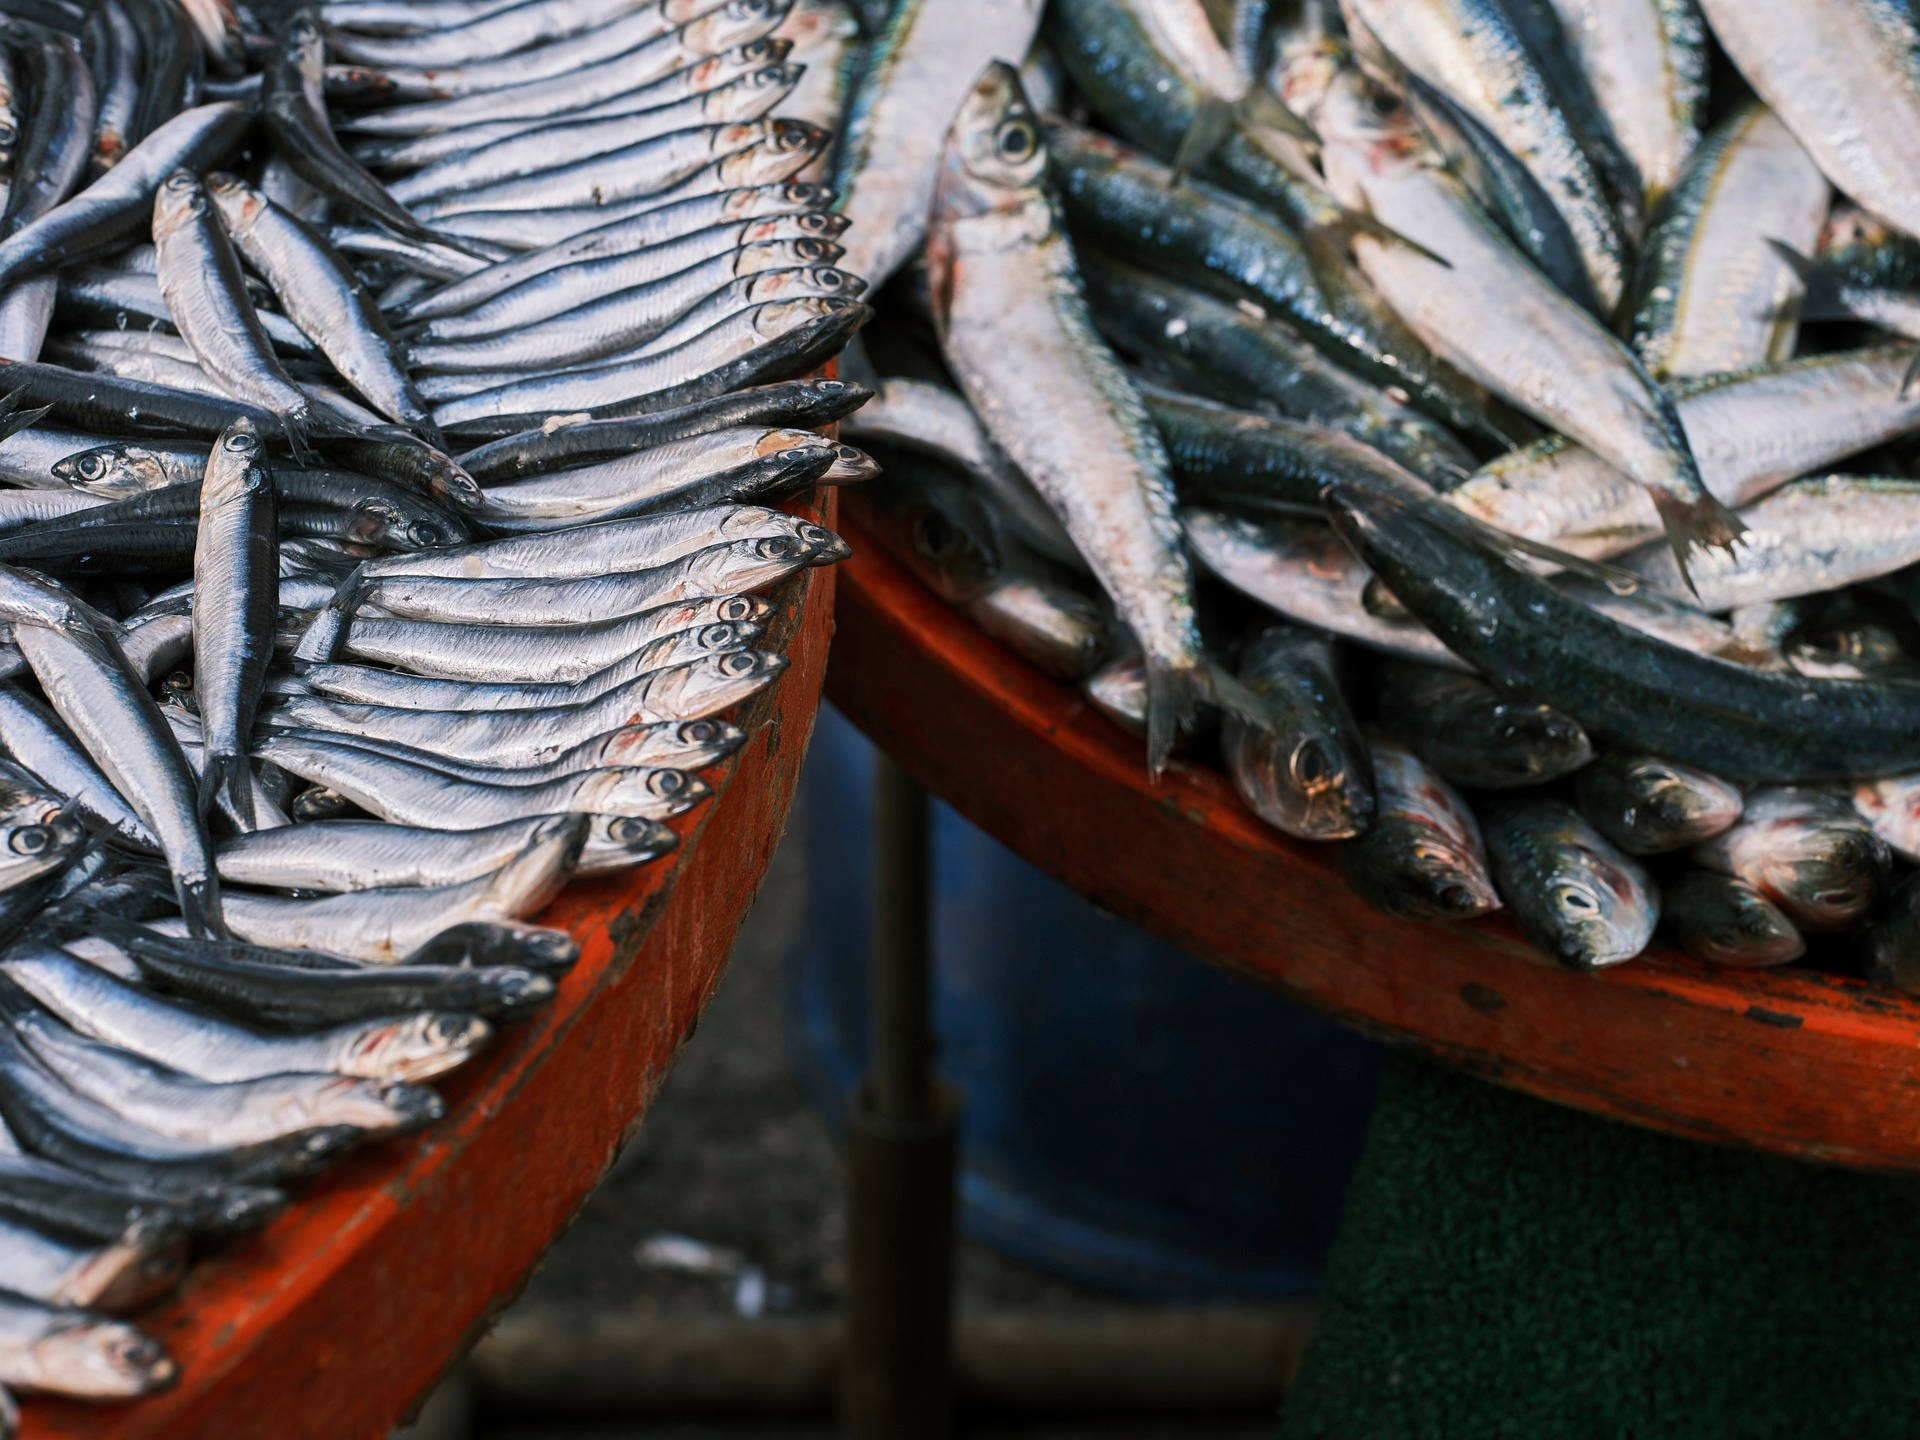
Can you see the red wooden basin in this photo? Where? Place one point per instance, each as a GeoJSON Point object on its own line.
{"type": "Point", "coordinates": [334, 1320]}
{"type": "Point", "coordinates": [1787, 1060]}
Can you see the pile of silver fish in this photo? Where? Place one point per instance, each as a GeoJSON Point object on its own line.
{"type": "Point", "coordinates": [1481, 428]}
{"type": "Point", "coordinates": [397, 405]}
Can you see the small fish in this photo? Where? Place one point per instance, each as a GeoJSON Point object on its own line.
{"type": "Point", "coordinates": [1474, 735]}
{"type": "Point", "coordinates": [1005, 279]}
{"type": "Point", "coordinates": [1423, 857]}
{"type": "Point", "coordinates": [1579, 900]}
{"type": "Point", "coordinates": [1648, 806]}
{"type": "Point", "coordinates": [1808, 852]}
{"type": "Point", "coordinates": [1302, 766]}
{"type": "Point", "coordinates": [1725, 921]}
{"type": "Point", "coordinates": [55, 1351]}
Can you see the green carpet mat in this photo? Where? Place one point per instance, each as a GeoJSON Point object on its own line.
{"type": "Point", "coordinates": [1507, 1267]}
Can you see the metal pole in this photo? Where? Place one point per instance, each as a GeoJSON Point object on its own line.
{"type": "Point", "coordinates": [901, 1022]}
{"type": "Point", "coordinates": [896, 1379]}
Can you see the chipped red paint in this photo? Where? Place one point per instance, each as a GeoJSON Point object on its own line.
{"type": "Point", "coordinates": [332, 1322]}
{"type": "Point", "coordinates": [1788, 1061]}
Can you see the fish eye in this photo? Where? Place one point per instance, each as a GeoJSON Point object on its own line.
{"type": "Point", "coordinates": [1384, 104]}
{"type": "Point", "coordinates": [810, 249]}
{"type": "Point", "coordinates": [90, 467]}
{"type": "Point", "coordinates": [31, 840]}
{"type": "Point", "coordinates": [714, 636]}
{"type": "Point", "coordinates": [668, 782]}
{"type": "Point", "coordinates": [736, 607]}
{"type": "Point", "coordinates": [241, 441]}
{"type": "Point", "coordinates": [817, 535]}
{"type": "Point", "coordinates": [698, 732]}
{"type": "Point", "coordinates": [778, 547]}
{"type": "Point", "coordinates": [1578, 901]}
{"type": "Point", "coordinates": [737, 663]}
{"type": "Point", "coordinates": [1016, 141]}
{"type": "Point", "coordinates": [425, 534]}
{"type": "Point", "coordinates": [628, 831]}
{"type": "Point", "coordinates": [933, 533]}
{"type": "Point", "coordinates": [8, 134]}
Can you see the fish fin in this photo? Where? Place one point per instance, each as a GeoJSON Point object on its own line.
{"type": "Point", "coordinates": [1697, 524]}
{"type": "Point", "coordinates": [1175, 694]}
{"type": "Point", "coordinates": [1212, 119]}
{"type": "Point", "coordinates": [1621, 582]}
{"type": "Point", "coordinates": [1803, 268]}
{"type": "Point", "coordinates": [1910, 380]}
{"type": "Point", "coordinates": [1262, 108]}
{"type": "Point", "coordinates": [13, 419]}
{"type": "Point", "coordinates": [1350, 223]}
{"type": "Point", "coordinates": [228, 776]}
{"type": "Point", "coordinates": [200, 907]}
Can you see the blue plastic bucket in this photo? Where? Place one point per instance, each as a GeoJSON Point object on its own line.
{"type": "Point", "coordinates": [1135, 1119]}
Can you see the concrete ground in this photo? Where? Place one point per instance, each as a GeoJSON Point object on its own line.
{"type": "Point", "coordinates": [732, 1159]}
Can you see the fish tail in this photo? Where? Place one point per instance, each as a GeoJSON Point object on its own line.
{"type": "Point", "coordinates": [1700, 523]}
{"type": "Point", "coordinates": [200, 906]}
{"type": "Point", "coordinates": [1212, 119]}
{"type": "Point", "coordinates": [228, 776]}
{"type": "Point", "coordinates": [1175, 693]}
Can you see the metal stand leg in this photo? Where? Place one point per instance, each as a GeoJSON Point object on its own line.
{"type": "Point", "coordinates": [896, 1380]}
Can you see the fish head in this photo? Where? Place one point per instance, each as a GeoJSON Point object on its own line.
{"type": "Point", "coordinates": [1828, 872]}
{"type": "Point", "coordinates": [729, 65]}
{"type": "Point", "coordinates": [953, 553]}
{"type": "Point", "coordinates": [734, 610]}
{"type": "Point", "coordinates": [1675, 805]}
{"type": "Point", "coordinates": [1537, 742]}
{"type": "Point", "coordinates": [179, 200]}
{"type": "Point", "coordinates": [1361, 121]}
{"type": "Point", "coordinates": [407, 1107]}
{"type": "Point", "coordinates": [808, 194]}
{"type": "Point", "coordinates": [632, 838]}
{"type": "Point", "coordinates": [779, 317]}
{"type": "Point", "coordinates": [1418, 869]}
{"type": "Point", "coordinates": [1729, 922]}
{"type": "Point", "coordinates": [714, 682]}
{"type": "Point", "coordinates": [747, 90]}
{"type": "Point", "coordinates": [721, 636]}
{"type": "Point", "coordinates": [53, 837]}
{"type": "Point", "coordinates": [850, 466]}
{"type": "Point", "coordinates": [733, 24]}
{"type": "Point", "coordinates": [823, 546]}
{"type": "Point", "coordinates": [1892, 808]}
{"type": "Point", "coordinates": [240, 204]}
{"type": "Point", "coordinates": [1596, 906]}
{"type": "Point", "coordinates": [643, 789]}
{"type": "Point", "coordinates": [994, 159]}
{"type": "Point", "coordinates": [78, 1354]}
{"type": "Point", "coordinates": [419, 1046]}
{"type": "Point", "coordinates": [112, 471]}
{"type": "Point", "coordinates": [1300, 779]}
{"type": "Point", "coordinates": [774, 256]}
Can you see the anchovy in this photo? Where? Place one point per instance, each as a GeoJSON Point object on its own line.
{"type": "Point", "coordinates": [1572, 894]}
{"type": "Point", "coordinates": [411, 795]}
{"type": "Point", "coordinates": [1711, 293]}
{"type": "Point", "coordinates": [1472, 734]}
{"type": "Point", "coordinates": [723, 28]}
{"type": "Point", "coordinates": [200, 278]}
{"type": "Point", "coordinates": [552, 654]}
{"type": "Point", "coordinates": [58, 129]}
{"type": "Point", "coordinates": [58, 1351]}
{"type": "Point", "coordinates": [1006, 280]}
{"type": "Point", "coordinates": [1423, 857]}
{"type": "Point", "coordinates": [613, 381]}
{"type": "Point", "coordinates": [1543, 352]}
{"type": "Point", "coordinates": [385, 927]}
{"type": "Point", "coordinates": [236, 570]}
{"type": "Point", "coordinates": [1648, 806]}
{"type": "Point", "coordinates": [1725, 921]}
{"type": "Point", "coordinates": [1622, 685]}
{"type": "Point", "coordinates": [1302, 764]}
{"type": "Point", "coordinates": [916, 78]}
{"type": "Point", "coordinates": [323, 296]}
{"type": "Point", "coordinates": [1055, 627]}
{"type": "Point", "coordinates": [704, 688]}
{"type": "Point", "coordinates": [120, 202]}
{"type": "Point", "coordinates": [1751, 431]}
{"type": "Point", "coordinates": [1807, 851]}
{"type": "Point", "coordinates": [406, 1046]}
{"type": "Point", "coordinates": [369, 685]}
{"type": "Point", "coordinates": [806, 404]}
{"type": "Point", "coordinates": [1472, 51]}
{"type": "Point", "coordinates": [86, 677]}
{"type": "Point", "coordinates": [296, 119]}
